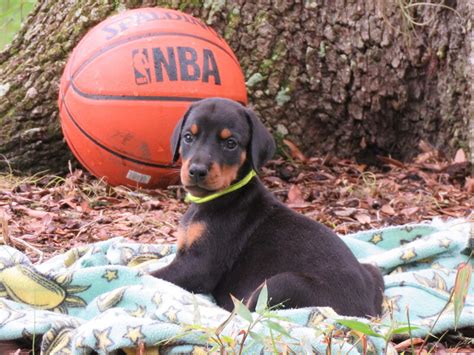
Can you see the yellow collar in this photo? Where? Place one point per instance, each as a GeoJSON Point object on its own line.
{"type": "Point", "coordinates": [239, 184]}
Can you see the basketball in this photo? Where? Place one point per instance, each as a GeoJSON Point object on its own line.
{"type": "Point", "coordinates": [128, 82]}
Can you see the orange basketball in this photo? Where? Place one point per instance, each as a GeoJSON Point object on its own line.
{"type": "Point", "coordinates": [128, 82]}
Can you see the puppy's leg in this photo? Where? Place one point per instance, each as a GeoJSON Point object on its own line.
{"type": "Point", "coordinates": [376, 284]}
{"type": "Point", "coordinates": [289, 290]}
{"type": "Point", "coordinates": [296, 290]}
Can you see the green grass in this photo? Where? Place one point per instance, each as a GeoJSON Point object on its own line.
{"type": "Point", "coordinates": [12, 14]}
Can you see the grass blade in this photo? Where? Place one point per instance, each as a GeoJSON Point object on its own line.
{"type": "Point", "coordinates": [402, 330]}
{"type": "Point", "coordinates": [278, 328]}
{"type": "Point", "coordinates": [242, 310]}
{"type": "Point", "coordinates": [461, 287]}
{"type": "Point", "coordinates": [221, 327]}
{"type": "Point", "coordinates": [359, 326]}
{"type": "Point", "coordinates": [262, 300]}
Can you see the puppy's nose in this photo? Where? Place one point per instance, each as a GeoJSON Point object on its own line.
{"type": "Point", "coordinates": [198, 172]}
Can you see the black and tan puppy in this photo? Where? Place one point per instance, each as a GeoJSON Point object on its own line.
{"type": "Point", "coordinates": [232, 243]}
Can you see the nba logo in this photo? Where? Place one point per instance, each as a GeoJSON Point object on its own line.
{"type": "Point", "coordinates": [141, 66]}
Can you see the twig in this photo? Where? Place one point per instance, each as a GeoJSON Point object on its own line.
{"type": "Point", "coordinates": [438, 341]}
{"type": "Point", "coordinates": [408, 342]}
{"type": "Point", "coordinates": [86, 226]}
{"type": "Point", "coordinates": [5, 233]}
{"type": "Point", "coordinates": [409, 331]}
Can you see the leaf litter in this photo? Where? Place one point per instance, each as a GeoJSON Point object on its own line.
{"type": "Point", "coordinates": [47, 215]}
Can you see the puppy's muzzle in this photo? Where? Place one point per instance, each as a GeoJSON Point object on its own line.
{"type": "Point", "coordinates": [198, 173]}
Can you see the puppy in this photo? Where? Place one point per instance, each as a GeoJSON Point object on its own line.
{"type": "Point", "coordinates": [236, 235]}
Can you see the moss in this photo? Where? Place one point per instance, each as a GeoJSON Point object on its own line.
{"type": "Point", "coordinates": [4, 107]}
{"type": "Point", "coordinates": [4, 117]}
{"type": "Point", "coordinates": [27, 103]}
{"type": "Point", "coordinates": [117, 4]}
{"type": "Point", "coordinates": [131, 4]}
{"type": "Point", "coordinates": [265, 66]}
{"type": "Point", "coordinates": [214, 6]}
{"type": "Point", "coordinates": [17, 96]}
{"type": "Point", "coordinates": [99, 13]}
{"type": "Point", "coordinates": [233, 20]}
{"type": "Point", "coordinates": [254, 80]}
{"type": "Point", "coordinates": [56, 52]}
{"type": "Point", "coordinates": [279, 50]}
{"type": "Point", "coordinates": [278, 54]}
{"type": "Point", "coordinates": [191, 4]}
{"type": "Point", "coordinates": [282, 96]}
{"type": "Point", "coordinates": [53, 130]}
{"type": "Point", "coordinates": [167, 4]}
{"type": "Point", "coordinates": [260, 18]}
{"type": "Point", "coordinates": [322, 50]}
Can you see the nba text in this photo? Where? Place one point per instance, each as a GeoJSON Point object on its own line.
{"type": "Point", "coordinates": [175, 64]}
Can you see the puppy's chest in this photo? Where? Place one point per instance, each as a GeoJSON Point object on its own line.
{"type": "Point", "coordinates": [207, 229]}
{"type": "Point", "coordinates": [192, 228]}
{"type": "Point", "coordinates": [190, 232]}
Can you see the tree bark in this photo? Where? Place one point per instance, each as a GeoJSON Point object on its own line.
{"type": "Point", "coordinates": [345, 77]}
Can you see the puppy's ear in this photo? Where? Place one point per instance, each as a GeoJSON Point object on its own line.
{"type": "Point", "coordinates": [176, 136]}
{"type": "Point", "coordinates": [262, 145]}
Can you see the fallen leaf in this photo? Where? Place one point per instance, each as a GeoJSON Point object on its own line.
{"type": "Point", "coordinates": [361, 167]}
{"type": "Point", "coordinates": [409, 211]}
{"type": "Point", "coordinates": [391, 161]}
{"type": "Point", "coordinates": [274, 180]}
{"type": "Point", "coordinates": [387, 209]}
{"type": "Point", "coordinates": [46, 221]}
{"type": "Point", "coordinates": [295, 196]}
{"type": "Point", "coordinates": [295, 152]}
{"type": "Point", "coordinates": [346, 212]}
{"type": "Point", "coordinates": [363, 218]}
{"type": "Point", "coordinates": [406, 344]}
{"type": "Point", "coordinates": [460, 156]}
{"type": "Point", "coordinates": [425, 146]}
{"type": "Point", "coordinates": [469, 185]}
{"type": "Point", "coordinates": [435, 167]}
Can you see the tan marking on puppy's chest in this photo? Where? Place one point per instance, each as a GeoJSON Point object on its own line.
{"type": "Point", "coordinates": [190, 234]}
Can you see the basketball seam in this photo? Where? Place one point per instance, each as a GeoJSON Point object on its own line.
{"type": "Point", "coordinates": [133, 97]}
{"type": "Point", "coordinates": [134, 38]}
{"type": "Point", "coordinates": [117, 154]}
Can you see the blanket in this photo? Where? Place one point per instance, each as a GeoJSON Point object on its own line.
{"type": "Point", "coordinates": [100, 298]}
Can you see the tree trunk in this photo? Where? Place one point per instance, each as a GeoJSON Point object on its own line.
{"type": "Point", "coordinates": [346, 77]}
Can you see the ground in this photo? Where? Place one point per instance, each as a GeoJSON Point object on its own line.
{"type": "Point", "coordinates": [46, 215]}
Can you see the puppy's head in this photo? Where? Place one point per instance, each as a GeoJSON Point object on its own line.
{"type": "Point", "coordinates": [219, 141]}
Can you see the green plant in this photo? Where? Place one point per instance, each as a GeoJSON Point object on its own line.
{"type": "Point", "coordinates": [457, 297]}
{"type": "Point", "coordinates": [271, 335]}
{"type": "Point", "coordinates": [461, 288]}
{"type": "Point", "coordinates": [388, 330]}
{"type": "Point", "coordinates": [12, 14]}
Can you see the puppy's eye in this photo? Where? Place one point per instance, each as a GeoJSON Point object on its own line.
{"type": "Point", "coordinates": [188, 138]}
{"type": "Point", "coordinates": [230, 144]}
